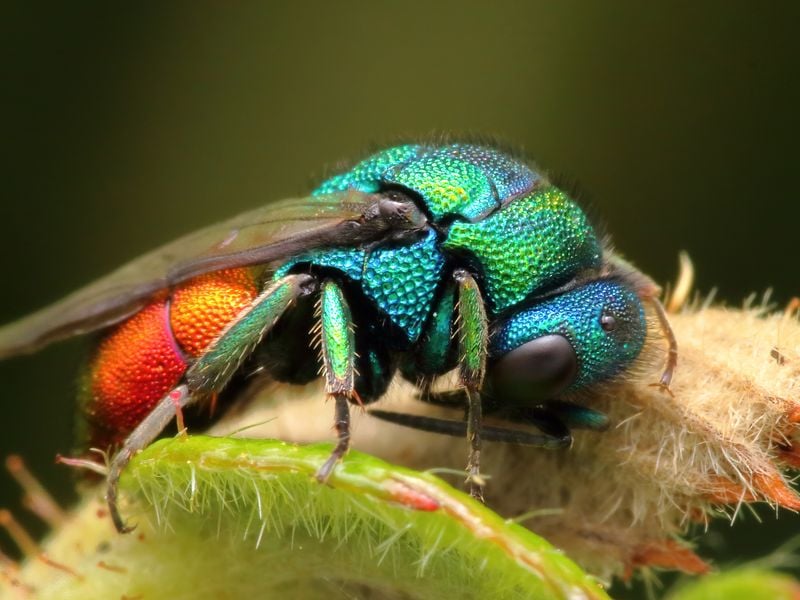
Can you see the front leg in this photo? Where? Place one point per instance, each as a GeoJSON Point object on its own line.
{"type": "Point", "coordinates": [473, 335]}
{"type": "Point", "coordinates": [337, 344]}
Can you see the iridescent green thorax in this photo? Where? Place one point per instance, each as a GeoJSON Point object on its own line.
{"type": "Point", "coordinates": [459, 180]}
{"type": "Point", "coordinates": [533, 243]}
{"type": "Point", "coordinates": [577, 316]}
{"type": "Point", "coordinates": [518, 234]}
{"type": "Point", "coordinates": [368, 175]}
{"type": "Point", "coordinates": [401, 280]}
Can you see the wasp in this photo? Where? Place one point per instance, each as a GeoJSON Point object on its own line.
{"type": "Point", "coordinates": [420, 259]}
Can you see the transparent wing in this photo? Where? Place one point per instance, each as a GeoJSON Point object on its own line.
{"type": "Point", "coordinates": [261, 236]}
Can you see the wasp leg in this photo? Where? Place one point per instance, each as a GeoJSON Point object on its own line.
{"type": "Point", "coordinates": [153, 424]}
{"type": "Point", "coordinates": [473, 334]}
{"type": "Point", "coordinates": [217, 365]}
{"type": "Point", "coordinates": [570, 414]}
{"type": "Point", "coordinates": [209, 374]}
{"type": "Point", "coordinates": [672, 346]}
{"type": "Point", "coordinates": [553, 438]}
{"type": "Point", "coordinates": [337, 344]}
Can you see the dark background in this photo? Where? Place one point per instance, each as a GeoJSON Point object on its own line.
{"type": "Point", "coordinates": [121, 129]}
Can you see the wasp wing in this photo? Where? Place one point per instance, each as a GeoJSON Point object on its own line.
{"type": "Point", "coordinates": [261, 236]}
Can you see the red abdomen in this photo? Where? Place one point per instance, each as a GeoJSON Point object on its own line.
{"type": "Point", "coordinates": [144, 357]}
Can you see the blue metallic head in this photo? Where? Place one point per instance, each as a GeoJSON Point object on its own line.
{"type": "Point", "coordinates": [569, 341]}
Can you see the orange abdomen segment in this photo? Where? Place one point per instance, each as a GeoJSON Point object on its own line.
{"type": "Point", "coordinates": [143, 358]}
{"type": "Point", "coordinates": [202, 308]}
{"type": "Point", "coordinates": [133, 368]}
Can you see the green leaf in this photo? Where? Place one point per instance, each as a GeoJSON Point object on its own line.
{"type": "Point", "coordinates": [230, 518]}
{"type": "Point", "coordinates": [742, 584]}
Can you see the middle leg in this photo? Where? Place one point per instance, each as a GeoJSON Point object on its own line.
{"type": "Point", "coordinates": [337, 346]}
{"type": "Point", "coordinates": [473, 335]}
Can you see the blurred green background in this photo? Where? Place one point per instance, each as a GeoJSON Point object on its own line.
{"type": "Point", "coordinates": [123, 128]}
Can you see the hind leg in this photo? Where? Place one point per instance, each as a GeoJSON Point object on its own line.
{"type": "Point", "coordinates": [473, 335]}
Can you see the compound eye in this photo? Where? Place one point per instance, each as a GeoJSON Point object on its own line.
{"type": "Point", "coordinates": [536, 371]}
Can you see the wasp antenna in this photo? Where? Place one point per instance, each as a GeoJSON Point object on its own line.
{"type": "Point", "coordinates": [672, 344]}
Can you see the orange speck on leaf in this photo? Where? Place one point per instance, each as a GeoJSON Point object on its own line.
{"type": "Point", "coordinates": [412, 498]}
